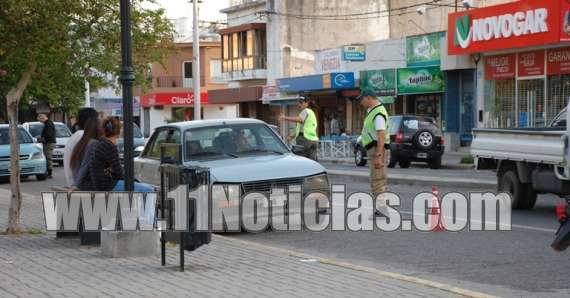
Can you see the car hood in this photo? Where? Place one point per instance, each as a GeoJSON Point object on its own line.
{"type": "Point", "coordinates": [259, 167]}
{"type": "Point", "coordinates": [25, 149]}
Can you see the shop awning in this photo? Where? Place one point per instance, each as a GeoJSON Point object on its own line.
{"type": "Point", "coordinates": [328, 81]}
{"type": "Point", "coordinates": [235, 95]}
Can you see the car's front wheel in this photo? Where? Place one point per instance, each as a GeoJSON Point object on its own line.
{"type": "Point", "coordinates": [359, 157]}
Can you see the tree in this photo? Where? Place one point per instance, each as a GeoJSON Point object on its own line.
{"type": "Point", "coordinates": [49, 47]}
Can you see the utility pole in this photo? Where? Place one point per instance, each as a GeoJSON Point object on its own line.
{"type": "Point", "coordinates": [196, 62]}
{"type": "Point", "coordinates": [127, 79]}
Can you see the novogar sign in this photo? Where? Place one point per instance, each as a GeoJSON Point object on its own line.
{"type": "Point", "coordinates": [513, 25]}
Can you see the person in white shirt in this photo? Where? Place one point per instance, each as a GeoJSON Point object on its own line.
{"type": "Point", "coordinates": [83, 115]}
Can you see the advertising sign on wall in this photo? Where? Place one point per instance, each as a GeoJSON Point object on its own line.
{"type": "Point", "coordinates": [558, 61]}
{"type": "Point", "coordinates": [531, 63]}
{"type": "Point", "coordinates": [420, 80]}
{"type": "Point", "coordinates": [181, 99]}
{"type": "Point", "coordinates": [516, 24]}
{"type": "Point", "coordinates": [500, 67]}
{"type": "Point", "coordinates": [354, 53]}
{"type": "Point", "coordinates": [424, 50]}
{"type": "Point", "coordinates": [381, 81]}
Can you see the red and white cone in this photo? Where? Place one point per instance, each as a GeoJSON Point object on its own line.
{"type": "Point", "coordinates": [435, 224]}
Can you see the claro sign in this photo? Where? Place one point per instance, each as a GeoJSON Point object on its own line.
{"type": "Point", "coordinates": [513, 25]}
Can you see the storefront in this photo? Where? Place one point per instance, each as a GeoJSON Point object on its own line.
{"type": "Point", "coordinates": [331, 92]}
{"type": "Point", "coordinates": [524, 76]}
{"type": "Point", "coordinates": [165, 107]}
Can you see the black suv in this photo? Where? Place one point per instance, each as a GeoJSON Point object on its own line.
{"type": "Point", "coordinates": [412, 138]}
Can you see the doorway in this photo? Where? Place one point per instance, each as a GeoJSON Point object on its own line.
{"type": "Point", "coordinates": [531, 103]}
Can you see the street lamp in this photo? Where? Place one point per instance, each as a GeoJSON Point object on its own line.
{"type": "Point", "coordinates": [127, 79]}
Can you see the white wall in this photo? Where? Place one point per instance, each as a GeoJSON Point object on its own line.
{"type": "Point", "coordinates": [220, 111]}
{"type": "Point", "coordinates": [157, 117]}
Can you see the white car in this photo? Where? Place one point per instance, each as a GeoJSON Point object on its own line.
{"type": "Point", "coordinates": [62, 134]}
{"type": "Point", "coordinates": [236, 151]}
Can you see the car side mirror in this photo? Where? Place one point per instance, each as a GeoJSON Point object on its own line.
{"type": "Point", "coordinates": [297, 149]}
{"type": "Point", "coordinates": [139, 150]}
{"type": "Point", "coordinates": [35, 139]}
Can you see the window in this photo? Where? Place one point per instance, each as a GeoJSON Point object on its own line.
{"type": "Point", "coordinates": [61, 131]}
{"type": "Point", "coordinates": [187, 70]}
{"type": "Point", "coordinates": [234, 140]}
{"type": "Point", "coordinates": [216, 70]}
{"type": "Point", "coordinates": [243, 50]}
{"type": "Point", "coordinates": [160, 137]}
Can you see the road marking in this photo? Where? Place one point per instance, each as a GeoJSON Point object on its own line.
{"type": "Point", "coordinates": [350, 266]}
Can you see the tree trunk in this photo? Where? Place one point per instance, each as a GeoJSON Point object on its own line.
{"type": "Point", "coordinates": [12, 102]}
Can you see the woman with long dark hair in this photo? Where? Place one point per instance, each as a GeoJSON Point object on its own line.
{"type": "Point", "coordinates": [81, 156]}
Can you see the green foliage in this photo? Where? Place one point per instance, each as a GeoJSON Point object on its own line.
{"type": "Point", "coordinates": [467, 159]}
{"type": "Point", "coordinates": [70, 40]}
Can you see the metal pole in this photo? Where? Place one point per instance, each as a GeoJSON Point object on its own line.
{"type": "Point", "coordinates": [127, 78]}
{"type": "Point", "coordinates": [196, 64]}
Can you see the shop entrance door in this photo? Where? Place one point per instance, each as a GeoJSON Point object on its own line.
{"type": "Point", "coordinates": [531, 103]}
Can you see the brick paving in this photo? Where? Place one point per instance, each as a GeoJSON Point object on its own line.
{"type": "Point", "coordinates": [40, 265]}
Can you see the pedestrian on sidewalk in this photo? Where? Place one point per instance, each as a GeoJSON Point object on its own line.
{"type": "Point", "coordinates": [376, 140]}
{"type": "Point", "coordinates": [306, 127]}
{"type": "Point", "coordinates": [82, 117]}
{"type": "Point", "coordinates": [335, 127]}
{"type": "Point", "coordinates": [47, 138]}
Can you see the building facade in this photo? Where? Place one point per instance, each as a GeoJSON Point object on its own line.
{"type": "Point", "coordinates": [171, 97]}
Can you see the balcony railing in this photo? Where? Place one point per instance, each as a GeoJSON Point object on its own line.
{"type": "Point", "coordinates": [176, 82]}
{"type": "Point", "coordinates": [244, 63]}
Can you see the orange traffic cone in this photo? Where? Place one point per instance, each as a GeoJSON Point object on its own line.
{"type": "Point", "coordinates": [435, 213]}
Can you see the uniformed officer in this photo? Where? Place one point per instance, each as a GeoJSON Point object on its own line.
{"type": "Point", "coordinates": [305, 129]}
{"type": "Point", "coordinates": [376, 140]}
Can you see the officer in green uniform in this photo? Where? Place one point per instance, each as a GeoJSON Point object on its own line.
{"type": "Point", "coordinates": [305, 129]}
{"type": "Point", "coordinates": [376, 139]}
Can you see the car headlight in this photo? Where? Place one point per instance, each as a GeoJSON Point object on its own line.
{"type": "Point", "coordinates": [317, 182]}
{"type": "Point", "coordinates": [38, 155]}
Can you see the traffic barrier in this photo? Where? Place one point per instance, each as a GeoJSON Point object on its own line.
{"type": "Point", "coordinates": [435, 212]}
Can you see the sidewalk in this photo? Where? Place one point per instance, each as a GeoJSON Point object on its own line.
{"type": "Point", "coordinates": [40, 265]}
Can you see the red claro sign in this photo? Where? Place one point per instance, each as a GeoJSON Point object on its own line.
{"type": "Point", "coordinates": [512, 25]}
{"type": "Point", "coordinates": [531, 63]}
{"type": "Point", "coordinates": [172, 99]}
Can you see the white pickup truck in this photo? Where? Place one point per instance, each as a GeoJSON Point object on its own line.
{"type": "Point", "coordinates": [528, 161]}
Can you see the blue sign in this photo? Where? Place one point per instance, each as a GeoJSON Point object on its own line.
{"type": "Point", "coordinates": [354, 53]}
{"type": "Point", "coordinates": [342, 80]}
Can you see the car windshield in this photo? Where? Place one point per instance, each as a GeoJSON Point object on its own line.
{"type": "Point", "coordinates": [136, 131]}
{"type": "Point", "coordinates": [231, 141]}
{"type": "Point", "coordinates": [23, 136]}
{"type": "Point", "coordinates": [61, 131]}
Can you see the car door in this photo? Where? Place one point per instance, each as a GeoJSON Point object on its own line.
{"type": "Point", "coordinates": [148, 164]}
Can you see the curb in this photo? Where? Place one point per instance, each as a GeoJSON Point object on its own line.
{"type": "Point", "coordinates": [417, 180]}
{"type": "Point", "coordinates": [332, 262]}
{"type": "Point", "coordinates": [448, 166]}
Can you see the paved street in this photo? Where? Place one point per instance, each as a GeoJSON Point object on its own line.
{"type": "Point", "coordinates": [507, 263]}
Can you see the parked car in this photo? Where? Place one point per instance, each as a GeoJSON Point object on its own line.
{"type": "Point", "coordinates": [528, 161]}
{"type": "Point", "coordinates": [62, 134]}
{"type": "Point", "coordinates": [32, 159]}
{"type": "Point", "coordinates": [237, 151]}
{"type": "Point", "coordinates": [138, 141]}
{"type": "Point", "coordinates": [412, 138]}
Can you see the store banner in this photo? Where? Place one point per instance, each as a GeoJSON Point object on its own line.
{"type": "Point", "coordinates": [381, 81]}
{"type": "Point", "coordinates": [181, 99]}
{"type": "Point", "coordinates": [500, 67]}
{"type": "Point", "coordinates": [558, 61]}
{"type": "Point", "coordinates": [516, 24]}
{"type": "Point", "coordinates": [531, 63]}
{"type": "Point", "coordinates": [419, 80]}
{"type": "Point", "coordinates": [354, 53]}
{"type": "Point", "coordinates": [423, 50]}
